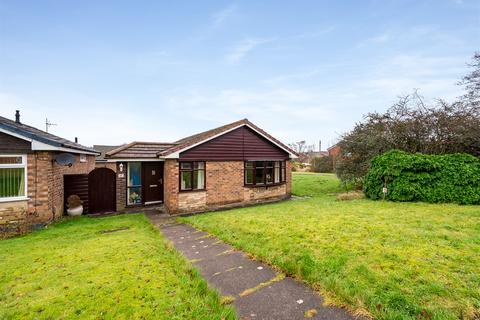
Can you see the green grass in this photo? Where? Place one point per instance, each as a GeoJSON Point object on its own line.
{"type": "Point", "coordinates": [389, 260]}
{"type": "Point", "coordinates": [72, 270]}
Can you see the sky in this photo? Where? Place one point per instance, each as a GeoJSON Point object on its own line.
{"type": "Point", "coordinates": [111, 72]}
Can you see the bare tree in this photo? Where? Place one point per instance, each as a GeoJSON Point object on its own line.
{"type": "Point", "coordinates": [299, 147]}
{"type": "Point", "coordinates": [471, 83]}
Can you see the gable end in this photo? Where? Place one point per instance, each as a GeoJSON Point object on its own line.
{"type": "Point", "coordinates": [239, 144]}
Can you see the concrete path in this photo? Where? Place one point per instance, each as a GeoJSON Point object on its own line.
{"type": "Point", "coordinates": [257, 291]}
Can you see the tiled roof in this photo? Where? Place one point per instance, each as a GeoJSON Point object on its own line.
{"type": "Point", "coordinates": [199, 137]}
{"type": "Point", "coordinates": [41, 136]}
{"type": "Point", "coordinates": [137, 149]}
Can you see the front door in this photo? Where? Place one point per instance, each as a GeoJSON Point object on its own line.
{"type": "Point", "coordinates": [153, 182]}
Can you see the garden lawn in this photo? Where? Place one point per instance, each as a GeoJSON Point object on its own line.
{"type": "Point", "coordinates": [389, 260]}
{"type": "Point", "coordinates": [73, 270]}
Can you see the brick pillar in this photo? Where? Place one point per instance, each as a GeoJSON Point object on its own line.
{"type": "Point", "coordinates": [39, 185]}
{"type": "Point", "coordinates": [288, 169]}
{"type": "Point", "coordinates": [170, 183]}
{"type": "Point", "coordinates": [121, 185]}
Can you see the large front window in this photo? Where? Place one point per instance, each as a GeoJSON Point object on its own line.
{"type": "Point", "coordinates": [264, 173]}
{"type": "Point", "coordinates": [13, 177]}
{"type": "Point", "coordinates": [134, 183]}
{"type": "Point", "coordinates": [192, 175]}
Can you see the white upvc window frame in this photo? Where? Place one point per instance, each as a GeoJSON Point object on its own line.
{"type": "Point", "coordinates": [24, 165]}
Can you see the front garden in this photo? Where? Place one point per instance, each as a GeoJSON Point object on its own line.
{"type": "Point", "coordinates": [105, 268]}
{"type": "Point", "coordinates": [386, 259]}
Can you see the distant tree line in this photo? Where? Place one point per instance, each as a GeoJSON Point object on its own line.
{"type": "Point", "coordinates": [412, 125]}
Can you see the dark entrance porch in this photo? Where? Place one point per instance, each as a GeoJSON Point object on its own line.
{"type": "Point", "coordinates": [144, 183]}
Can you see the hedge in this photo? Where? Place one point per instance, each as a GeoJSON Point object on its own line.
{"type": "Point", "coordinates": [422, 177]}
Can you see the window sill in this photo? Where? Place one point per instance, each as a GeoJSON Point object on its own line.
{"type": "Point", "coordinates": [134, 205]}
{"type": "Point", "coordinates": [195, 190]}
{"type": "Point", "coordinates": [264, 185]}
{"type": "Point", "coordinates": [14, 199]}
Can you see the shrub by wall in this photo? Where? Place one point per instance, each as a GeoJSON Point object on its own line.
{"type": "Point", "coordinates": [422, 177]}
{"type": "Point", "coordinates": [322, 164]}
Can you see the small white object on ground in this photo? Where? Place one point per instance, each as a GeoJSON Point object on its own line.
{"type": "Point", "coordinates": [299, 301]}
{"type": "Point", "coordinates": [259, 268]}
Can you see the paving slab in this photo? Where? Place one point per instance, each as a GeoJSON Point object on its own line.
{"type": "Point", "coordinates": [259, 291]}
{"type": "Point", "coordinates": [287, 299]}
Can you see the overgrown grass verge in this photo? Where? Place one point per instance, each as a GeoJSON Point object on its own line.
{"type": "Point", "coordinates": [392, 260]}
{"type": "Point", "coordinates": [77, 270]}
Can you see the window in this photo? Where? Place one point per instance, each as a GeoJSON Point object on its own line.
{"type": "Point", "coordinates": [83, 157]}
{"type": "Point", "coordinates": [13, 177]}
{"type": "Point", "coordinates": [264, 173]}
{"type": "Point", "coordinates": [134, 183]}
{"type": "Point", "coordinates": [192, 175]}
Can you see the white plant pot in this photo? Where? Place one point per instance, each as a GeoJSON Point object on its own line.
{"type": "Point", "coordinates": [75, 211]}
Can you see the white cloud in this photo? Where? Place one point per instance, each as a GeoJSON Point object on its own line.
{"type": "Point", "coordinates": [287, 113]}
{"type": "Point", "coordinates": [382, 38]}
{"type": "Point", "coordinates": [242, 48]}
{"type": "Point", "coordinates": [284, 78]}
{"type": "Point", "coordinates": [218, 18]}
{"type": "Point", "coordinates": [315, 33]}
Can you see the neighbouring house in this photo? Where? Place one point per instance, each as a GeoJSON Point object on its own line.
{"type": "Point", "coordinates": [33, 167]}
{"type": "Point", "coordinates": [233, 165]}
{"type": "Point", "coordinates": [334, 152]}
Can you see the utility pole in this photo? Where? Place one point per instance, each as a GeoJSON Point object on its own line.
{"type": "Point", "coordinates": [48, 124]}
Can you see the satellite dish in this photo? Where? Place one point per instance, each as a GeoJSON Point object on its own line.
{"type": "Point", "coordinates": [65, 159]}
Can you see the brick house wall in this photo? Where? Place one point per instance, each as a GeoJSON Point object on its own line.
{"type": "Point", "coordinates": [170, 185]}
{"type": "Point", "coordinates": [44, 191]}
{"type": "Point", "coordinates": [224, 188]}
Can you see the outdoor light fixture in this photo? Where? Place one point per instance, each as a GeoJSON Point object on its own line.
{"type": "Point", "coordinates": [120, 166]}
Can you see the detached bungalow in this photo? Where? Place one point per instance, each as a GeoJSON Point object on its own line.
{"type": "Point", "coordinates": [233, 165]}
{"type": "Point", "coordinates": [33, 164]}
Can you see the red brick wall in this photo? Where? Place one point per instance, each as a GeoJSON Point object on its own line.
{"type": "Point", "coordinates": [170, 184]}
{"type": "Point", "coordinates": [224, 182]}
{"type": "Point", "coordinates": [56, 187]}
{"type": "Point", "coordinates": [224, 188]}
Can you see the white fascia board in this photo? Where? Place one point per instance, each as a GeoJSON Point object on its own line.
{"type": "Point", "coordinates": [176, 154]}
{"type": "Point", "coordinates": [40, 146]}
{"type": "Point", "coordinates": [131, 160]}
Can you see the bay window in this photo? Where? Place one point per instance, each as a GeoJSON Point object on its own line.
{"type": "Point", "coordinates": [13, 177]}
{"type": "Point", "coordinates": [264, 173]}
{"type": "Point", "coordinates": [192, 175]}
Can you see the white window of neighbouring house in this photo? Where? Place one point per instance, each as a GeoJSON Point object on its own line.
{"type": "Point", "coordinates": [13, 177]}
{"type": "Point", "coordinates": [134, 183]}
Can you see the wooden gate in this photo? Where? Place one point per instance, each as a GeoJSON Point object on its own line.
{"type": "Point", "coordinates": [101, 190]}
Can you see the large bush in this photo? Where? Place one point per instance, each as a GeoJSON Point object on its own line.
{"type": "Point", "coordinates": [422, 177]}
